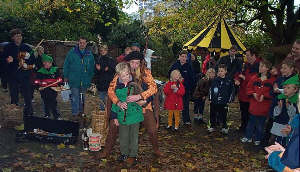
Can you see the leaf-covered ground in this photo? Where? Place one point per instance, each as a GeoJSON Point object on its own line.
{"type": "Point", "coordinates": [192, 148]}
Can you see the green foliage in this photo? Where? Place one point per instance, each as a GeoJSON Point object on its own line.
{"type": "Point", "coordinates": [161, 66]}
{"type": "Point", "coordinates": [127, 32]}
{"type": "Point", "coordinates": [59, 19]}
{"type": "Point", "coordinates": [259, 41]}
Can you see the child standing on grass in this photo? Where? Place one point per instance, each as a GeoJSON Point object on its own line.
{"type": "Point", "coordinates": [286, 109]}
{"type": "Point", "coordinates": [174, 91]}
{"type": "Point", "coordinates": [259, 90]}
{"type": "Point", "coordinates": [127, 116]}
{"type": "Point", "coordinates": [201, 93]}
{"type": "Point", "coordinates": [221, 93]}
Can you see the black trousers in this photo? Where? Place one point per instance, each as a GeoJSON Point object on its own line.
{"type": "Point", "coordinates": [21, 84]}
{"type": "Point", "coordinates": [218, 113]}
{"type": "Point", "coordinates": [186, 107]}
{"type": "Point", "coordinates": [244, 107]}
{"type": "Point", "coordinates": [4, 80]}
{"type": "Point", "coordinates": [49, 97]}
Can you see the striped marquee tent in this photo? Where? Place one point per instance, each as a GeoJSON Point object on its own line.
{"type": "Point", "coordinates": [217, 36]}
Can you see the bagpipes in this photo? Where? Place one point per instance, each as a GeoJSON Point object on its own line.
{"type": "Point", "coordinates": [133, 89]}
{"type": "Point", "coordinates": [46, 83]}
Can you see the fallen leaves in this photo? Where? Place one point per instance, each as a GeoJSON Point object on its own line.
{"type": "Point", "coordinates": [23, 150]}
{"type": "Point", "coordinates": [59, 165]}
{"type": "Point", "coordinates": [83, 153]}
{"type": "Point", "coordinates": [61, 146]}
{"type": "Point", "coordinates": [6, 170]}
{"type": "Point", "coordinates": [190, 149]}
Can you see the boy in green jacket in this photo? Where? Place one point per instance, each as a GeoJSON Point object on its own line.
{"type": "Point", "coordinates": [127, 116]}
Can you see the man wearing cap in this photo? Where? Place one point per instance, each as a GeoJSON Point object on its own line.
{"type": "Point", "coordinates": [135, 47]}
{"type": "Point", "coordinates": [105, 71]}
{"type": "Point", "coordinates": [141, 75]}
{"type": "Point", "coordinates": [47, 75]}
{"type": "Point", "coordinates": [78, 71]}
{"type": "Point", "coordinates": [19, 64]}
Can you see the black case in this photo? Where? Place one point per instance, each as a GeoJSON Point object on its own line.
{"type": "Point", "coordinates": [52, 126]}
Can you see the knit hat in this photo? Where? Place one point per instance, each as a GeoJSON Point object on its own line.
{"type": "Point", "coordinates": [46, 58]}
{"type": "Point", "coordinates": [136, 44]}
{"type": "Point", "coordinates": [135, 55]}
{"type": "Point", "coordinates": [292, 80]}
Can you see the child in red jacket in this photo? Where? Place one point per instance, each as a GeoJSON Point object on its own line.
{"type": "Point", "coordinates": [174, 91]}
{"type": "Point", "coordinates": [259, 90]}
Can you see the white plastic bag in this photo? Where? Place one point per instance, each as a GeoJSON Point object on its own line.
{"type": "Point", "coordinates": [66, 92]}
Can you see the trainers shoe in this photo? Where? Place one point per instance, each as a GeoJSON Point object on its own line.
{"type": "Point", "coordinates": [168, 127]}
{"type": "Point", "coordinates": [224, 130]}
{"type": "Point", "coordinates": [257, 143]}
{"type": "Point", "coordinates": [46, 116]}
{"type": "Point", "coordinates": [187, 123]}
{"type": "Point", "coordinates": [245, 139]}
{"type": "Point", "coordinates": [176, 129]}
{"type": "Point", "coordinates": [122, 158]}
{"type": "Point", "coordinates": [211, 130]}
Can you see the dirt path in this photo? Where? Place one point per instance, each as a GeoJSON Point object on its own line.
{"type": "Point", "coordinates": [190, 149]}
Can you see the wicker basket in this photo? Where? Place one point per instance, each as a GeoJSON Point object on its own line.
{"type": "Point", "coordinates": [10, 115]}
{"type": "Point", "coordinates": [99, 124]}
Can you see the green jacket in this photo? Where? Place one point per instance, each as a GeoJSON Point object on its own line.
{"type": "Point", "coordinates": [79, 68]}
{"type": "Point", "coordinates": [134, 113]}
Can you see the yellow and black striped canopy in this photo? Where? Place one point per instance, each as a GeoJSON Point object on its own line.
{"type": "Point", "coordinates": [217, 36]}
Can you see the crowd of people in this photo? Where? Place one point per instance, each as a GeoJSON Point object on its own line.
{"type": "Point", "coordinates": [268, 95]}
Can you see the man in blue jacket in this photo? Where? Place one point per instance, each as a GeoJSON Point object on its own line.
{"type": "Point", "coordinates": [187, 73]}
{"type": "Point", "coordinates": [19, 63]}
{"type": "Point", "coordinates": [78, 72]}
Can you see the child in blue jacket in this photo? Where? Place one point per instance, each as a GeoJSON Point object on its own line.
{"type": "Point", "coordinates": [221, 93]}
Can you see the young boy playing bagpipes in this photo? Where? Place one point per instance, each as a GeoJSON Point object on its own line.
{"type": "Point", "coordinates": [127, 115]}
{"type": "Point", "coordinates": [47, 77]}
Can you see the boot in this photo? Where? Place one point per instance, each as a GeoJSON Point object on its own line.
{"type": "Point", "coordinates": [131, 161]}
{"type": "Point", "coordinates": [158, 153]}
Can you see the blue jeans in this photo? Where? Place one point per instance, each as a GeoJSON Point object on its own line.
{"type": "Point", "coordinates": [103, 97]}
{"type": "Point", "coordinates": [77, 100]}
{"type": "Point", "coordinates": [199, 106]}
{"type": "Point", "coordinates": [255, 126]}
